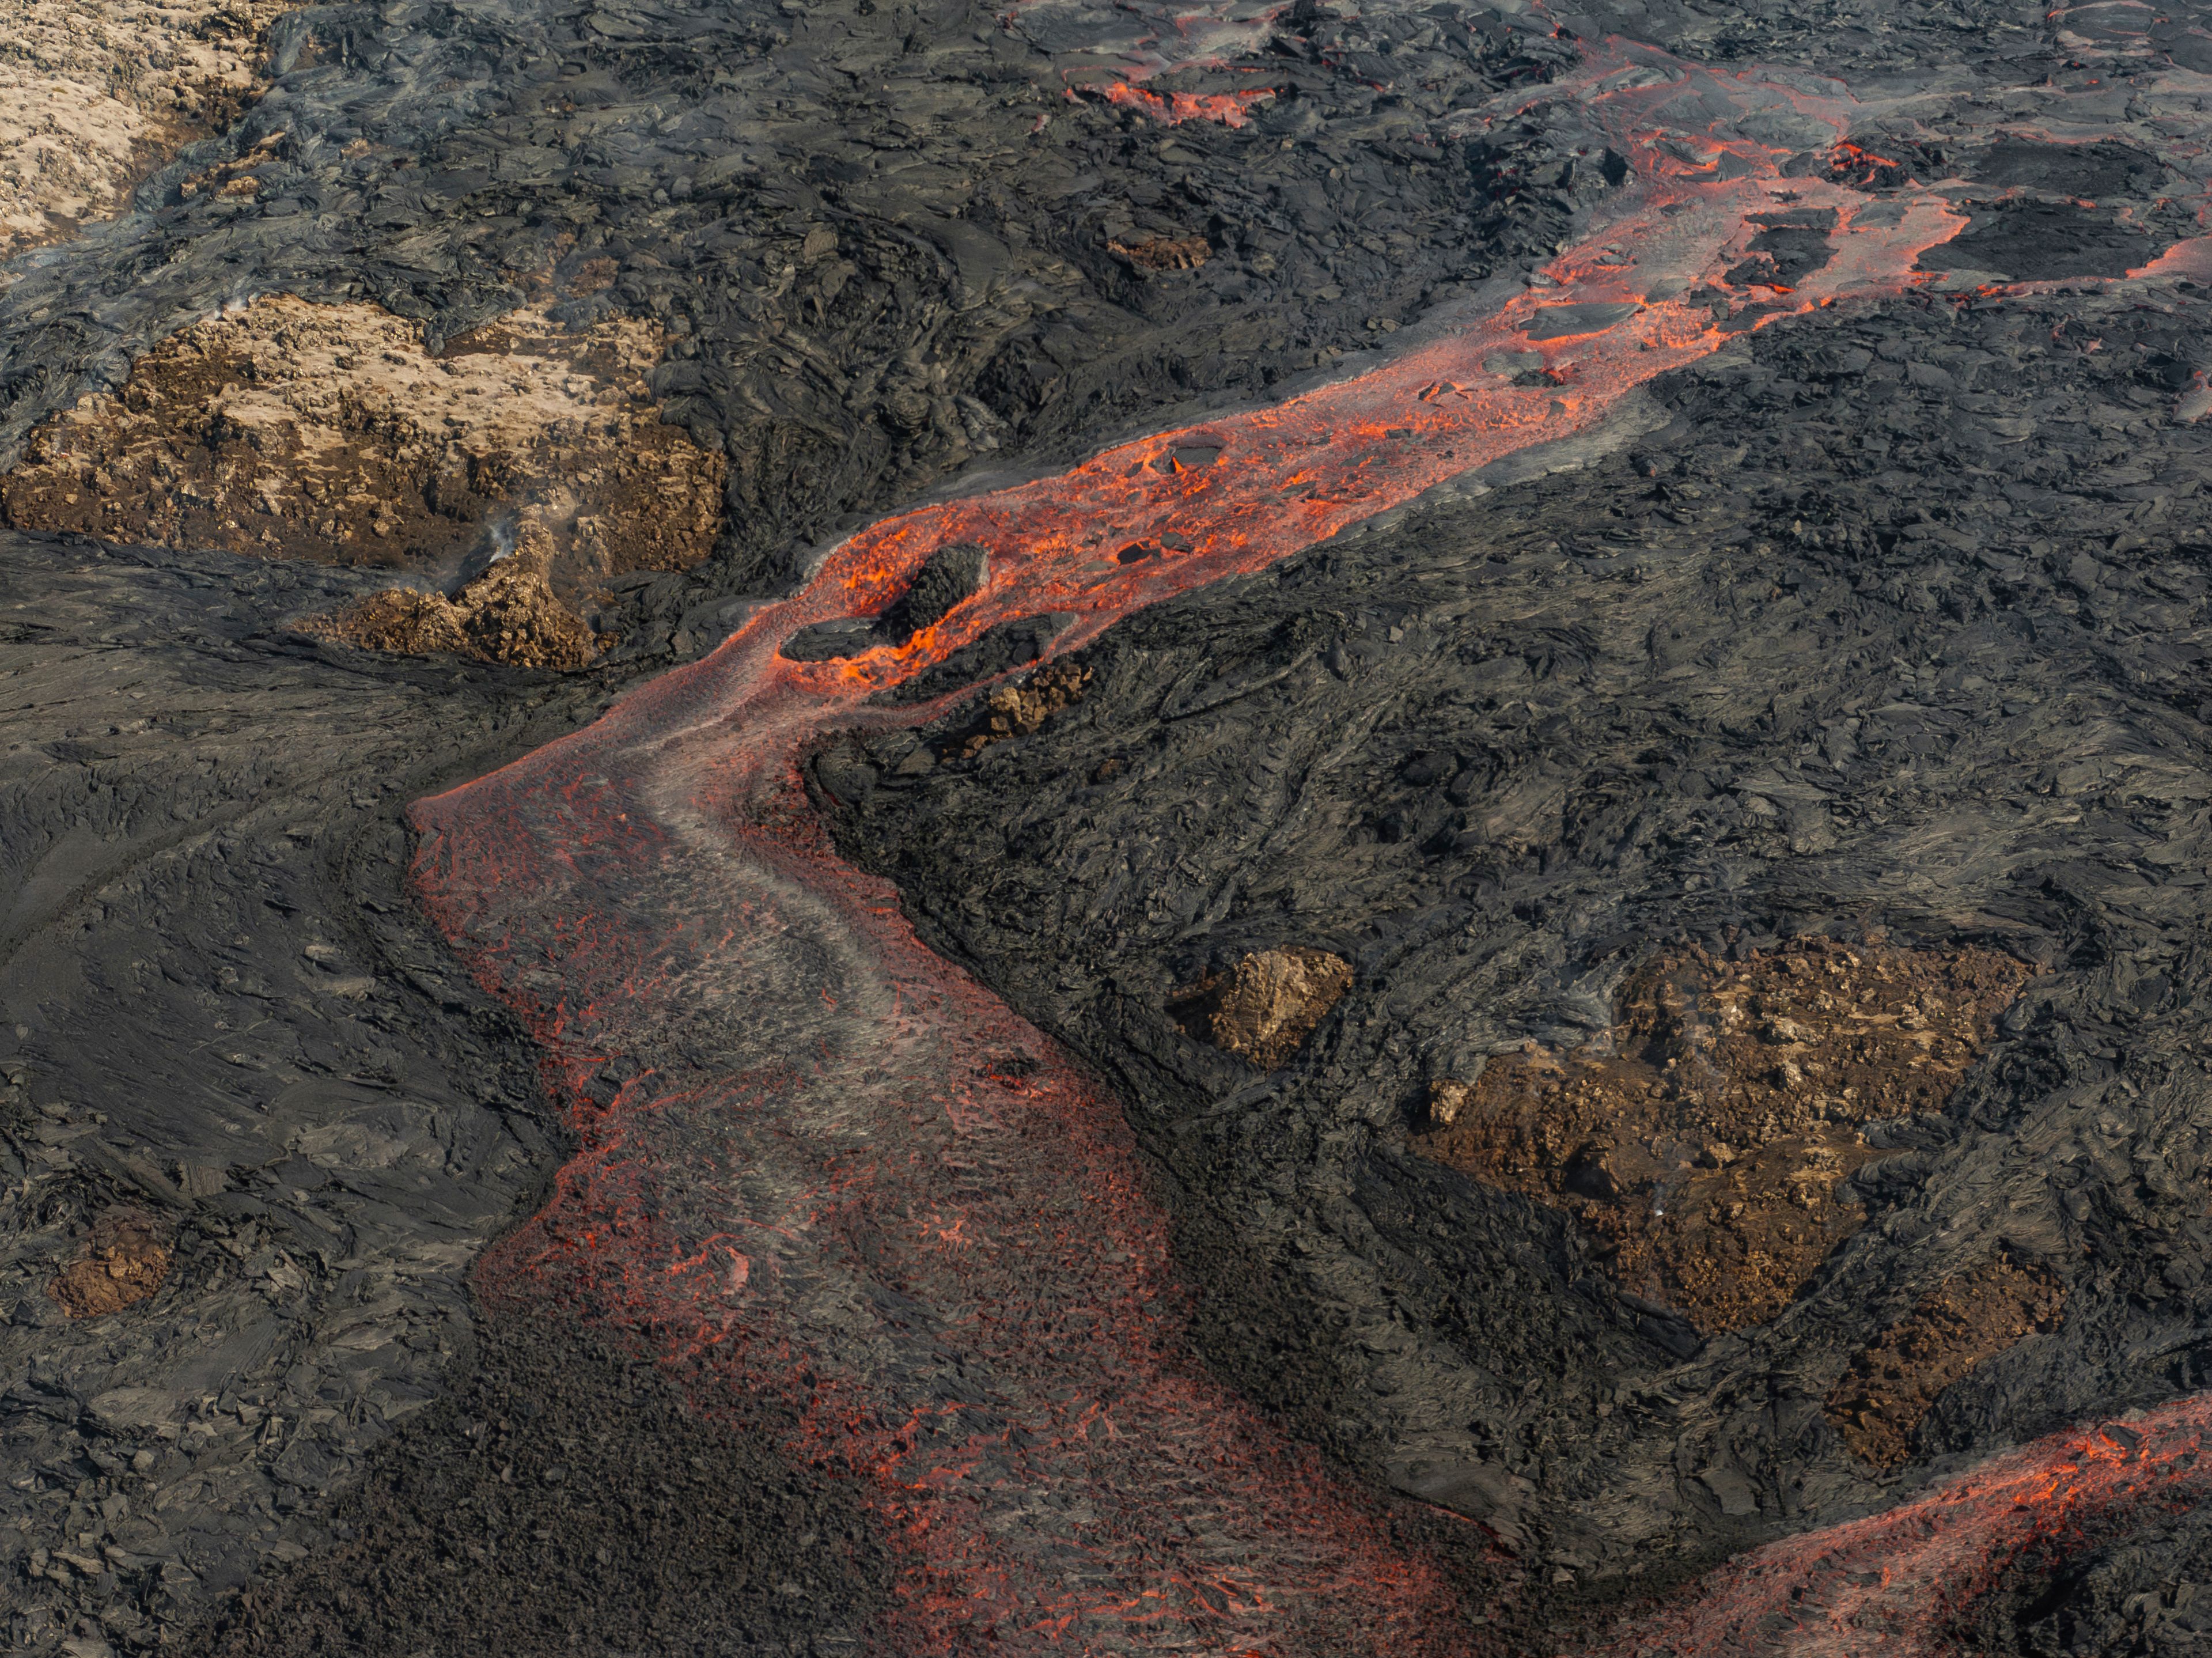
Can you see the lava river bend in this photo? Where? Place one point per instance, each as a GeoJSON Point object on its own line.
{"type": "Point", "coordinates": [822, 1166]}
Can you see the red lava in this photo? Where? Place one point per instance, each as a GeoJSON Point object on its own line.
{"type": "Point", "coordinates": [1175, 107]}
{"type": "Point", "coordinates": [1891, 1583]}
{"type": "Point", "coordinates": [822, 1165]}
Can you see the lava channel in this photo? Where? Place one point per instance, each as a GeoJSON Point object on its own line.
{"type": "Point", "coordinates": [817, 1163]}
{"type": "Point", "coordinates": [1900, 1583]}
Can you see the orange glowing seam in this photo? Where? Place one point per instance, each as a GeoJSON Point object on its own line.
{"type": "Point", "coordinates": [1174, 108]}
{"type": "Point", "coordinates": [1888, 1583]}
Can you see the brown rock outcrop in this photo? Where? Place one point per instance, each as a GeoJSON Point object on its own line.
{"type": "Point", "coordinates": [1264, 1008]}
{"type": "Point", "coordinates": [1016, 710]}
{"type": "Point", "coordinates": [1706, 1155]}
{"type": "Point", "coordinates": [95, 93]}
{"type": "Point", "coordinates": [508, 614]}
{"type": "Point", "coordinates": [123, 1262]}
{"type": "Point", "coordinates": [331, 432]}
{"type": "Point", "coordinates": [1162, 253]}
{"type": "Point", "coordinates": [1964, 1321]}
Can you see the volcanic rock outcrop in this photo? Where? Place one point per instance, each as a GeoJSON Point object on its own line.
{"type": "Point", "coordinates": [509, 614]}
{"type": "Point", "coordinates": [1018, 709]}
{"type": "Point", "coordinates": [1966, 1320]}
{"type": "Point", "coordinates": [332, 432]}
{"type": "Point", "coordinates": [123, 1261]}
{"type": "Point", "coordinates": [1707, 1153]}
{"type": "Point", "coordinates": [94, 94]}
{"type": "Point", "coordinates": [1263, 1008]}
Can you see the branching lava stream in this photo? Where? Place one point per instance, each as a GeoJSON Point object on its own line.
{"type": "Point", "coordinates": [832, 1169]}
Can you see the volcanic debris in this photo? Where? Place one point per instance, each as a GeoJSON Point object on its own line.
{"type": "Point", "coordinates": [123, 1262]}
{"type": "Point", "coordinates": [1263, 1009]}
{"type": "Point", "coordinates": [509, 614]}
{"type": "Point", "coordinates": [95, 93]}
{"type": "Point", "coordinates": [1706, 1154]}
{"type": "Point", "coordinates": [332, 432]}
{"type": "Point", "coordinates": [1162, 253]}
{"type": "Point", "coordinates": [1016, 710]}
{"type": "Point", "coordinates": [1966, 1320]}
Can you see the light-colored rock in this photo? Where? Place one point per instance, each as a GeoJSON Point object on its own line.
{"type": "Point", "coordinates": [95, 93]}
{"type": "Point", "coordinates": [1264, 1008]}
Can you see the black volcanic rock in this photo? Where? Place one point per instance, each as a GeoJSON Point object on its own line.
{"type": "Point", "coordinates": [1837, 652]}
{"type": "Point", "coordinates": [1892, 622]}
{"type": "Point", "coordinates": [565, 1485]}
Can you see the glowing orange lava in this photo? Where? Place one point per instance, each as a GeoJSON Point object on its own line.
{"type": "Point", "coordinates": [1888, 1584]}
{"type": "Point", "coordinates": [1175, 107]}
{"type": "Point", "coordinates": [823, 1167]}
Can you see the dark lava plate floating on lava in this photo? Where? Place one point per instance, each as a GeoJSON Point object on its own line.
{"type": "Point", "coordinates": [1531, 989]}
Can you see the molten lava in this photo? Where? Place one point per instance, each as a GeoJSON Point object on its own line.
{"type": "Point", "coordinates": [1891, 1583]}
{"type": "Point", "coordinates": [1175, 107]}
{"type": "Point", "coordinates": [820, 1165]}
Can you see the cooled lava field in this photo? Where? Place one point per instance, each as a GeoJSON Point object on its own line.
{"type": "Point", "coordinates": [887, 830]}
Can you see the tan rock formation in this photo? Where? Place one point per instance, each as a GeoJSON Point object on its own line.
{"type": "Point", "coordinates": [330, 432]}
{"type": "Point", "coordinates": [1706, 1155]}
{"type": "Point", "coordinates": [95, 93]}
{"type": "Point", "coordinates": [1264, 1008]}
{"type": "Point", "coordinates": [1162, 253]}
{"type": "Point", "coordinates": [508, 614]}
{"type": "Point", "coordinates": [123, 1262]}
{"type": "Point", "coordinates": [1019, 710]}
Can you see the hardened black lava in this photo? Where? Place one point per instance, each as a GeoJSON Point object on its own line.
{"type": "Point", "coordinates": [1875, 620]}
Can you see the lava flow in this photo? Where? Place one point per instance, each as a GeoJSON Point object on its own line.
{"type": "Point", "coordinates": [1175, 107]}
{"type": "Point", "coordinates": [1894, 1583]}
{"type": "Point", "coordinates": [824, 1167]}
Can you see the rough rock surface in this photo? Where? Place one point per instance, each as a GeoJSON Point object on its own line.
{"type": "Point", "coordinates": [1962, 1322]}
{"type": "Point", "coordinates": [1893, 619]}
{"type": "Point", "coordinates": [94, 96]}
{"type": "Point", "coordinates": [1264, 1007]}
{"type": "Point", "coordinates": [1707, 1154]}
{"type": "Point", "coordinates": [123, 1261]}
{"type": "Point", "coordinates": [1018, 708]}
{"type": "Point", "coordinates": [670, 1533]}
{"type": "Point", "coordinates": [510, 613]}
{"type": "Point", "coordinates": [331, 432]}
{"type": "Point", "coordinates": [221, 1014]}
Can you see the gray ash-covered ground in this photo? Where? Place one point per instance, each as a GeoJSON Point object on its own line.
{"type": "Point", "coordinates": [1883, 623]}
{"type": "Point", "coordinates": [226, 1020]}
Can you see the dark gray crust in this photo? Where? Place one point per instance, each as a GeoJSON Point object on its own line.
{"type": "Point", "coordinates": [1774, 669]}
